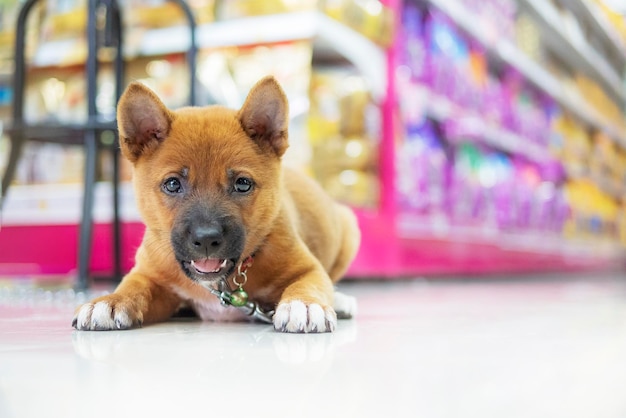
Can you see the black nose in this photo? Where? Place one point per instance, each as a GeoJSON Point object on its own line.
{"type": "Point", "coordinates": [207, 238]}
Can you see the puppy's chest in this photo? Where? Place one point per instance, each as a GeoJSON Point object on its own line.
{"type": "Point", "coordinates": [206, 305]}
{"type": "Point", "coordinates": [209, 308]}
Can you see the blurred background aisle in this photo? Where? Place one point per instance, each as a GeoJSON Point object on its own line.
{"type": "Point", "coordinates": [470, 136]}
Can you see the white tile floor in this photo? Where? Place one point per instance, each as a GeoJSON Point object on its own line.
{"type": "Point", "coordinates": [523, 348]}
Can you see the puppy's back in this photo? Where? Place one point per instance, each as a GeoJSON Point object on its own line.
{"type": "Point", "coordinates": [328, 228]}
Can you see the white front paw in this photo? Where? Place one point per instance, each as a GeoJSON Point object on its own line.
{"type": "Point", "coordinates": [101, 316]}
{"type": "Point", "coordinates": [296, 316]}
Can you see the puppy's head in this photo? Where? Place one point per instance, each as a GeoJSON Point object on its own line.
{"type": "Point", "coordinates": [207, 180]}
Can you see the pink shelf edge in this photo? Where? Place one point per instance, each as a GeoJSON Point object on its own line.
{"type": "Point", "coordinates": [51, 250]}
{"type": "Point", "coordinates": [386, 255]}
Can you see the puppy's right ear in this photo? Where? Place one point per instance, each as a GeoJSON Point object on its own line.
{"type": "Point", "coordinates": [143, 121]}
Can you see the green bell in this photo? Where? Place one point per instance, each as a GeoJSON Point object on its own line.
{"type": "Point", "coordinates": [239, 297]}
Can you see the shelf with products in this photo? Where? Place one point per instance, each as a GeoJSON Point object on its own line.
{"type": "Point", "coordinates": [601, 25]}
{"type": "Point", "coordinates": [570, 100]}
{"type": "Point", "coordinates": [487, 154]}
{"type": "Point", "coordinates": [330, 37]}
{"type": "Point", "coordinates": [574, 49]}
{"type": "Point", "coordinates": [55, 73]}
{"type": "Point", "coordinates": [470, 123]}
{"type": "Point", "coordinates": [226, 72]}
{"type": "Point", "coordinates": [502, 48]}
{"type": "Point", "coordinates": [225, 76]}
{"type": "Point", "coordinates": [330, 40]}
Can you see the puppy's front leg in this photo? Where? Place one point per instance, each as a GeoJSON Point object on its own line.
{"type": "Point", "coordinates": [137, 300]}
{"type": "Point", "coordinates": [306, 304]}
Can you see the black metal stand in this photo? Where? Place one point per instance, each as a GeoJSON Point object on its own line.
{"type": "Point", "coordinates": [87, 134]}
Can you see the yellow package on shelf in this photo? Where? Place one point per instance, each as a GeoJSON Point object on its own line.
{"type": "Point", "coordinates": [234, 9]}
{"type": "Point", "coordinates": [594, 213]}
{"type": "Point", "coordinates": [369, 17]}
{"type": "Point", "coordinates": [64, 25]}
{"type": "Point", "coordinates": [616, 19]}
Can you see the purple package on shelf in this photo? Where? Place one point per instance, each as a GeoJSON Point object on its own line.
{"type": "Point", "coordinates": [463, 129]}
{"type": "Point", "coordinates": [413, 40]}
{"type": "Point", "coordinates": [492, 103]}
{"type": "Point", "coordinates": [422, 169]}
{"type": "Point", "coordinates": [551, 110]}
{"type": "Point", "coordinates": [553, 171]}
{"type": "Point", "coordinates": [448, 52]}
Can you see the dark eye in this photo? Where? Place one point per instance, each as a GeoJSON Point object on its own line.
{"type": "Point", "coordinates": [172, 186]}
{"type": "Point", "coordinates": [243, 185]}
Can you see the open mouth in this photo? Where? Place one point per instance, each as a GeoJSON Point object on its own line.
{"type": "Point", "coordinates": [209, 268]}
{"type": "Point", "coordinates": [208, 265]}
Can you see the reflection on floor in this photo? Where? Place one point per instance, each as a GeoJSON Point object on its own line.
{"type": "Point", "coordinates": [540, 347]}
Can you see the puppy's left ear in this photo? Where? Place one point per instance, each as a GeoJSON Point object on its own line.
{"type": "Point", "coordinates": [264, 115]}
{"type": "Point", "coordinates": [143, 121]}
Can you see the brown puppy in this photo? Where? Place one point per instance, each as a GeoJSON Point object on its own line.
{"type": "Point", "coordinates": [212, 192]}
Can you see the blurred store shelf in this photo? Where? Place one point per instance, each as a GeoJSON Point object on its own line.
{"type": "Point", "coordinates": [499, 147]}
{"type": "Point", "coordinates": [574, 49]}
{"type": "Point", "coordinates": [442, 109]}
{"type": "Point", "coordinates": [600, 25]}
{"type": "Point", "coordinates": [505, 51]}
{"type": "Point", "coordinates": [331, 39]}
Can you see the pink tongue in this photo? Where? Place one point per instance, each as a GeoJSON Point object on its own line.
{"type": "Point", "coordinates": [207, 265]}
